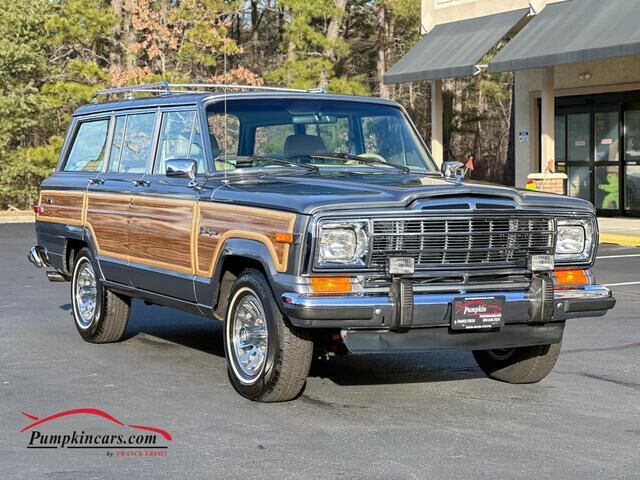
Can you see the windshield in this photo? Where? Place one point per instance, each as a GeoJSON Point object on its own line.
{"type": "Point", "coordinates": [323, 133]}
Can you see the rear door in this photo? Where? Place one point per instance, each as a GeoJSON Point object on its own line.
{"type": "Point", "coordinates": [163, 210]}
{"type": "Point", "coordinates": [109, 194]}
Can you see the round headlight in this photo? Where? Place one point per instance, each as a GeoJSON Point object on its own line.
{"type": "Point", "coordinates": [571, 239]}
{"type": "Point", "coordinates": [342, 243]}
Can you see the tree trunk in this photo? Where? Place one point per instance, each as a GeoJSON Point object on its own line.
{"type": "Point", "coordinates": [390, 47]}
{"type": "Point", "coordinates": [381, 46]}
{"type": "Point", "coordinates": [291, 57]}
{"type": "Point", "coordinates": [115, 55]}
{"type": "Point", "coordinates": [128, 39]}
{"type": "Point", "coordinates": [333, 34]}
{"type": "Point", "coordinates": [162, 43]}
{"type": "Point", "coordinates": [255, 23]}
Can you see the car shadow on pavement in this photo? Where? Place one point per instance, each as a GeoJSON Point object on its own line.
{"type": "Point", "coordinates": [206, 335]}
{"type": "Point", "coordinates": [398, 368]}
{"type": "Point", "coordinates": [191, 331]}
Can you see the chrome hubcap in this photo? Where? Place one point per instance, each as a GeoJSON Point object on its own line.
{"type": "Point", "coordinates": [249, 337]}
{"type": "Point", "coordinates": [86, 294]}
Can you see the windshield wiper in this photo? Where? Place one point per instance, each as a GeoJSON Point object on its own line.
{"type": "Point", "coordinates": [291, 163]}
{"type": "Point", "coordinates": [357, 158]}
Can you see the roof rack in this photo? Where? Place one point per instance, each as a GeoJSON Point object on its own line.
{"type": "Point", "coordinates": [165, 88]}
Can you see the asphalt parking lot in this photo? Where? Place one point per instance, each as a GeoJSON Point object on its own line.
{"type": "Point", "coordinates": [414, 416]}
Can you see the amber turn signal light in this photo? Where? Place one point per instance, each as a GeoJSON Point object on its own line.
{"type": "Point", "coordinates": [570, 277]}
{"type": "Point", "coordinates": [330, 284]}
{"type": "Point", "coordinates": [284, 237]}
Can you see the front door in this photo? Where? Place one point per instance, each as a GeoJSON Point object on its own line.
{"type": "Point", "coordinates": [588, 148]}
{"type": "Point", "coordinates": [163, 211]}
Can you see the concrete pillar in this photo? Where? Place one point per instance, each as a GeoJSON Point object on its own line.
{"type": "Point", "coordinates": [547, 131]}
{"type": "Point", "coordinates": [437, 118]}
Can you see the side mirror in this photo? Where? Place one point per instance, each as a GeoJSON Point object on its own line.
{"type": "Point", "coordinates": [181, 168]}
{"type": "Point", "coordinates": [453, 170]}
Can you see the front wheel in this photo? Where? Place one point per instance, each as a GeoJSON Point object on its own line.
{"type": "Point", "coordinates": [268, 359]}
{"type": "Point", "coordinates": [518, 365]}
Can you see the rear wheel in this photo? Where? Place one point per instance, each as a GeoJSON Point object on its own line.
{"type": "Point", "coordinates": [268, 359]}
{"type": "Point", "coordinates": [100, 315]}
{"type": "Point", "coordinates": [518, 365]}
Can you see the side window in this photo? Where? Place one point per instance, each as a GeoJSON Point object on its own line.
{"type": "Point", "coordinates": [88, 149]}
{"type": "Point", "coordinates": [197, 148]}
{"type": "Point", "coordinates": [270, 139]}
{"type": "Point", "coordinates": [175, 138]}
{"type": "Point", "coordinates": [385, 136]}
{"type": "Point", "coordinates": [224, 135]}
{"type": "Point", "coordinates": [116, 144]}
{"type": "Point", "coordinates": [135, 148]}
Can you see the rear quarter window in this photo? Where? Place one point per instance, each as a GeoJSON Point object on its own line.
{"type": "Point", "coordinates": [87, 152]}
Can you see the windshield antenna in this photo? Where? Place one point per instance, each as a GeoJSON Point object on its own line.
{"type": "Point", "coordinates": [224, 53]}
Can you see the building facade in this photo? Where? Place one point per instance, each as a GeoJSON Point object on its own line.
{"type": "Point", "coordinates": [576, 67]}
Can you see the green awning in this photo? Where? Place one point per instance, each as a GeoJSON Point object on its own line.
{"type": "Point", "coordinates": [453, 49]}
{"type": "Point", "coordinates": [573, 31]}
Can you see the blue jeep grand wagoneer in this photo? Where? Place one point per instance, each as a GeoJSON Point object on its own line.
{"type": "Point", "coordinates": [308, 223]}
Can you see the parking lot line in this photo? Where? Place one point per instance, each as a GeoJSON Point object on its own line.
{"type": "Point", "coordinates": [618, 256]}
{"type": "Point", "coordinates": [620, 284]}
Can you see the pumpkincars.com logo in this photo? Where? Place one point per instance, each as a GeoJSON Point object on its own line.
{"type": "Point", "coordinates": [115, 437]}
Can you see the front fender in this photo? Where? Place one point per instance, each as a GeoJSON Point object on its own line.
{"type": "Point", "coordinates": [246, 248]}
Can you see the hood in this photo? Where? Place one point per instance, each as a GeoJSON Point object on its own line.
{"type": "Point", "coordinates": [309, 193]}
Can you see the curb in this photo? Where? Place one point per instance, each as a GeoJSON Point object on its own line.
{"type": "Point", "coordinates": [624, 240]}
{"type": "Point", "coordinates": [17, 216]}
{"type": "Point", "coordinates": [17, 219]}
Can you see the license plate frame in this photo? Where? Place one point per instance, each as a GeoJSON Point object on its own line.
{"type": "Point", "coordinates": [477, 313]}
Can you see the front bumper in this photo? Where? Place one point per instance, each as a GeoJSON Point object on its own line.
{"type": "Point", "coordinates": [434, 310]}
{"type": "Point", "coordinates": [368, 323]}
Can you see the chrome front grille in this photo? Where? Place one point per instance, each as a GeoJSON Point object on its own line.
{"type": "Point", "coordinates": [457, 241]}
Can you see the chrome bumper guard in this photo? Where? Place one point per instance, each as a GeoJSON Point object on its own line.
{"type": "Point", "coordinates": [38, 256]}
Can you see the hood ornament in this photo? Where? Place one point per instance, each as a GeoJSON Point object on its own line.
{"type": "Point", "coordinates": [453, 171]}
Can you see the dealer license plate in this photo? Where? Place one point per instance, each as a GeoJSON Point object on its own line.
{"type": "Point", "coordinates": [477, 313]}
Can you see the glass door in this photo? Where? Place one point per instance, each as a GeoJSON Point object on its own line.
{"type": "Point", "coordinates": [588, 140]}
{"type": "Point", "coordinates": [578, 155]}
{"type": "Point", "coordinates": [632, 160]}
{"type": "Point", "coordinates": [607, 161]}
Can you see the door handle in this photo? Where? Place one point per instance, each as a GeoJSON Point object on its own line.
{"type": "Point", "coordinates": [96, 181]}
{"type": "Point", "coordinates": [141, 183]}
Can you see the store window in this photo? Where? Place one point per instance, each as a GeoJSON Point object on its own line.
{"type": "Point", "coordinates": [632, 187]}
{"type": "Point", "coordinates": [607, 188]}
{"type": "Point", "coordinates": [561, 138]}
{"type": "Point", "coordinates": [578, 137]}
{"type": "Point", "coordinates": [579, 182]}
{"type": "Point", "coordinates": [607, 136]}
{"type": "Point", "coordinates": [632, 135]}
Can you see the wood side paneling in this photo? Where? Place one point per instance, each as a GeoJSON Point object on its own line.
{"type": "Point", "coordinates": [106, 217]}
{"type": "Point", "coordinates": [61, 206]}
{"type": "Point", "coordinates": [219, 222]}
{"type": "Point", "coordinates": [160, 233]}
{"type": "Point", "coordinates": [179, 235]}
